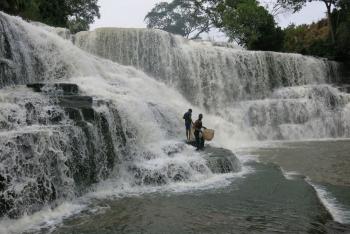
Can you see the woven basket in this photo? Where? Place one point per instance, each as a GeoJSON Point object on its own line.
{"type": "Point", "coordinates": [208, 134]}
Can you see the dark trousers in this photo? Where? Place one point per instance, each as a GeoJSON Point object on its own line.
{"type": "Point", "coordinates": [199, 140]}
{"type": "Point", "coordinates": [188, 131]}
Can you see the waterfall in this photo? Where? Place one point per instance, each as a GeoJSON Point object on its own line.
{"type": "Point", "coordinates": [70, 120]}
{"type": "Point", "coordinates": [50, 151]}
{"type": "Point", "coordinates": [208, 75]}
{"type": "Point", "coordinates": [266, 95]}
{"type": "Point", "coordinates": [108, 105]}
{"type": "Point", "coordinates": [24, 54]}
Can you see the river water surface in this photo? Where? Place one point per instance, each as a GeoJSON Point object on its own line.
{"type": "Point", "coordinates": [291, 187]}
{"type": "Point", "coordinates": [116, 163]}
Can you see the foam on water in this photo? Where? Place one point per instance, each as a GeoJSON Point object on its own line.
{"type": "Point", "coordinates": [51, 218]}
{"type": "Point", "coordinates": [208, 75]}
{"type": "Point", "coordinates": [151, 110]}
{"type": "Point", "coordinates": [337, 210]}
{"type": "Point", "coordinates": [122, 185]}
{"type": "Point", "coordinates": [46, 218]}
{"type": "Point", "coordinates": [290, 175]}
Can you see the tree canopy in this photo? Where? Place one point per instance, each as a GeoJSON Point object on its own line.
{"type": "Point", "coordinates": [328, 37]}
{"type": "Point", "coordinates": [73, 14]}
{"type": "Point", "coordinates": [251, 25]}
{"type": "Point", "coordinates": [243, 21]}
{"type": "Point", "coordinates": [179, 17]}
{"type": "Point", "coordinates": [297, 5]}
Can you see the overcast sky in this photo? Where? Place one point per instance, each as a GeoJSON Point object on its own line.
{"type": "Point", "coordinates": [130, 13]}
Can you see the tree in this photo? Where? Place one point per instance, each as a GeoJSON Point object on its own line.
{"type": "Point", "coordinates": [342, 33]}
{"type": "Point", "coordinates": [12, 6]}
{"type": "Point", "coordinates": [308, 39]}
{"type": "Point", "coordinates": [243, 21]}
{"type": "Point", "coordinates": [297, 5]}
{"type": "Point", "coordinates": [251, 25]}
{"type": "Point", "coordinates": [73, 14]}
{"type": "Point", "coordinates": [179, 17]}
{"type": "Point", "coordinates": [81, 13]}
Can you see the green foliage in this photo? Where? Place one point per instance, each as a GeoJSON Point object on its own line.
{"type": "Point", "coordinates": [251, 25]}
{"type": "Point", "coordinates": [81, 13]}
{"type": "Point", "coordinates": [297, 5]}
{"type": "Point", "coordinates": [179, 17]}
{"type": "Point", "coordinates": [314, 39]}
{"type": "Point", "coordinates": [293, 5]}
{"type": "Point", "coordinates": [12, 6]}
{"type": "Point", "coordinates": [73, 14]}
{"type": "Point", "coordinates": [342, 33]}
{"type": "Point", "coordinates": [308, 39]}
{"type": "Point", "coordinates": [242, 20]}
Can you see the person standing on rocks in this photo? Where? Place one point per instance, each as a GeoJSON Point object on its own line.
{"type": "Point", "coordinates": [198, 132]}
{"type": "Point", "coordinates": [188, 123]}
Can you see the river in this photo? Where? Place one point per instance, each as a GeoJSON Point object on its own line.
{"type": "Point", "coordinates": [92, 135]}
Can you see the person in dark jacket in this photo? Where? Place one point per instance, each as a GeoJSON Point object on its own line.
{"type": "Point", "coordinates": [188, 123]}
{"type": "Point", "coordinates": [198, 132]}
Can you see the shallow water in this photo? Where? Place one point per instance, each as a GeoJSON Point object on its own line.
{"type": "Point", "coordinates": [269, 200]}
{"type": "Point", "coordinates": [322, 161]}
{"type": "Point", "coordinates": [143, 192]}
{"type": "Point", "coordinates": [325, 165]}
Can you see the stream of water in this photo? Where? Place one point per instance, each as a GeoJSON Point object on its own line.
{"type": "Point", "coordinates": [92, 137]}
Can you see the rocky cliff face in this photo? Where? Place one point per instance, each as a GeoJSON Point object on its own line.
{"type": "Point", "coordinates": [54, 145]}
{"type": "Point", "coordinates": [70, 119]}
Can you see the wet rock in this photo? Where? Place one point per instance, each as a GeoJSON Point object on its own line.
{"type": "Point", "coordinates": [4, 124]}
{"type": "Point", "coordinates": [108, 141]}
{"type": "Point", "coordinates": [344, 88]}
{"type": "Point", "coordinates": [55, 117]}
{"type": "Point", "coordinates": [173, 149]}
{"type": "Point", "coordinates": [177, 173]}
{"type": "Point", "coordinates": [148, 177]}
{"type": "Point", "coordinates": [59, 88]}
{"type": "Point", "coordinates": [154, 179]}
{"type": "Point", "coordinates": [31, 115]}
{"type": "Point", "coordinates": [68, 89]}
{"type": "Point", "coordinates": [73, 114]}
{"type": "Point", "coordinates": [30, 156]}
{"type": "Point", "coordinates": [219, 164]}
{"type": "Point", "coordinates": [75, 101]}
{"type": "Point", "coordinates": [198, 167]}
{"type": "Point", "coordinates": [88, 114]}
{"type": "Point", "coordinates": [6, 204]}
{"type": "Point", "coordinates": [36, 86]}
{"type": "Point", "coordinates": [2, 183]}
{"type": "Point", "coordinates": [221, 160]}
{"type": "Point", "coordinates": [69, 147]}
{"type": "Point", "coordinates": [193, 143]}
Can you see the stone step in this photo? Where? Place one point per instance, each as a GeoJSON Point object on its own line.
{"type": "Point", "coordinates": [74, 101]}
{"type": "Point", "coordinates": [55, 88]}
{"type": "Point", "coordinates": [344, 88]}
{"type": "Point", "coordinates": [219, 160]}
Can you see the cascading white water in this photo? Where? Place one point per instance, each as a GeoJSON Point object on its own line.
{"type": "Point", "coordinates": [303, 112]}
{"type": "Point", "coordinates": [54, 151]}
{"type": "Point", "coordinates": [240, 86]}
{"type": "Point", "coordinates": [133, 130]}
{"type": "Point", "coordinates": [208, 75]}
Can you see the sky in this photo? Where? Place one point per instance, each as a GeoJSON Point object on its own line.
{"type": "Point", "coordinates": [131, 13]}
